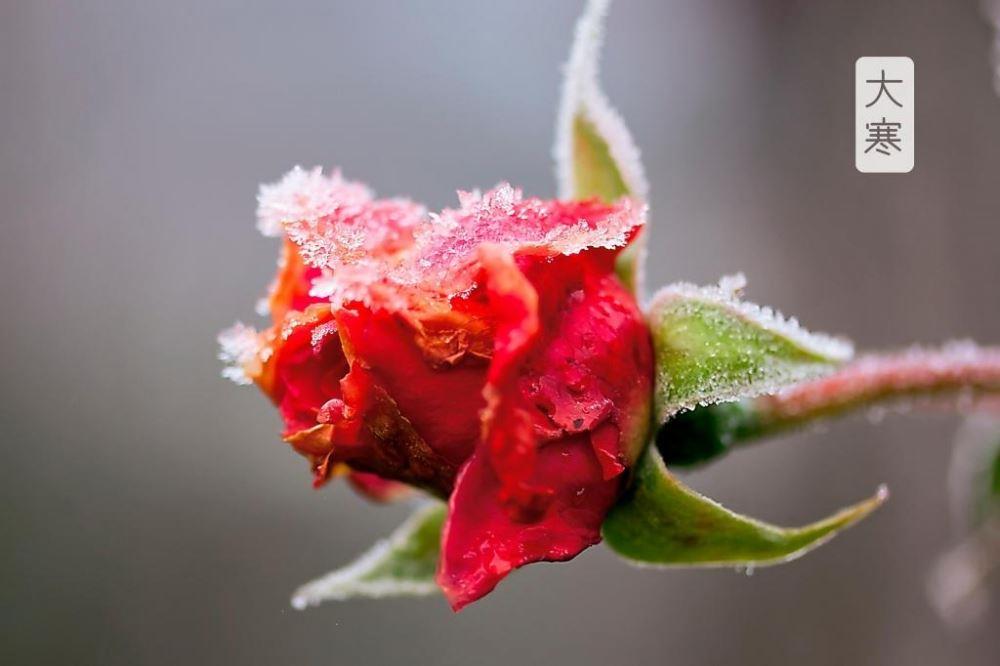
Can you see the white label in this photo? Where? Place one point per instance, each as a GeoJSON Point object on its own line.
{"type": "Point", "coordinates": [883, 115]}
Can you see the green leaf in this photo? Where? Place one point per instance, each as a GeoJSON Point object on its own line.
{"type": "Point", "coordinates": [402, 565]}
{"type": "Point", "coordinates": [595, 153]}
{"type": "Point", "coordinates": [663, 522]}
{"type": "Point", "coordinates": [711, 347]}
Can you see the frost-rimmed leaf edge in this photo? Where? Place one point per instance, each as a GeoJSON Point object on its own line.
{"type": "Point", "coordinates": [351, 581]}
{"type": "Point", "coordinates": [817, 353]}
{"type": "Point", "coordinates": [586, 119]}
{"type": "Point", "coordinates": [660, 508]}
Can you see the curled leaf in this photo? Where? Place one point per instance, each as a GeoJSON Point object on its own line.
{"type": "Point", "coordinates": [711, 347]}
{"type": "Point", "coordinates": [663, 522]}
{"type": "Point", "coordinates": [402, 565]}
{"type": "Point", "coordinates": [594, 151]}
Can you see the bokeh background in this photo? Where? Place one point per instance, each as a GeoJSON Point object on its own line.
{"type": "Point", "coordinates": [152, 516]}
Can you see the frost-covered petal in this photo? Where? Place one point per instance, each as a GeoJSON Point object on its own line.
{"type": "Point", "coordinates": [447, 253]}
{"type": "Point", "coordinates": [567, 411]}
{"type": "Point", "coordinates": [306, 195]}
{"type": "Point", "coordinates": [356, 233]}
{"type": "Point", "coordinates": [302, 366]}
{"type": "Point", "coordinates": [291, 288]}
{"type": "Point", "coordinates": [390, 255]}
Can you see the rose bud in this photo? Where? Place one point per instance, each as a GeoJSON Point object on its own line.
{"type": "Point", "coordinates": [487, 355]}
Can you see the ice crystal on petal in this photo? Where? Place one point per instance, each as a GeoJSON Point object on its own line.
{"type": "Point", "coordinates": [356, 232]}
{"type": "Point", "coordinates": [321, 332]}
{"type": "Point", "coordinates": [306, 195]}
{"type": "Point", "coordinates": [390, 252]}
{"type": "Point", "coordinates": [237, 346]}
{"type": "Point", "coordinates": [446, 252]}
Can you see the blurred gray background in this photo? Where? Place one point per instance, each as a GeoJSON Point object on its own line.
{"type": "Point", "coordinates": [150, 513]}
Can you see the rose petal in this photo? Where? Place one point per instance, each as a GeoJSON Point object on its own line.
{"type": "Point", "coordinates": [556, 437]}
{"type": "Point", "coordinates": [377, 488]}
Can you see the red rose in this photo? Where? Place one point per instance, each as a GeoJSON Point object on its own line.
{"type": "Point", "coordinates": [487, 355]}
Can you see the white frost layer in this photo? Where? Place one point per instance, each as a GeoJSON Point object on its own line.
{"type": "Point", "coordinates": [304, 195]}
{"type": "Point", "coordinates": [237, 346]}
{"type": "Point", "coordinates": [349, 582]}
{"type": "Point", "coordinates": [836, 349]}
{"type": "Point", "coordinates": [582, 94]}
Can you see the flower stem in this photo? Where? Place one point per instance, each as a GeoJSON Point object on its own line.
{"type": "Point", "coordinates": [961, 375]}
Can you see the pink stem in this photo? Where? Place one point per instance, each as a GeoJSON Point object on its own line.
{"type": "Point", "coordinates": [959, 369]}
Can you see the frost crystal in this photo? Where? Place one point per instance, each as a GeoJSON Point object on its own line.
{"type": "Point", "coordinates": [237, 347]}
{"type": "Point", "coordinates": [446, 251]}
{"type": "Point", "coordinates": [306, 196]}
{"type": "Point", "coordinates": [390, 252]}
{"type": "Point", "coordinates": [711, 347]}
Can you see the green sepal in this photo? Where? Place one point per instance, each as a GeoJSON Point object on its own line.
{"type": "Point", "coordinates": [596, 156]}
{"type": "Point", "coordinates": [595, 174]}
{"type": "Point", "coordinates": [662, 522]}
{"type": "Point", "coordinates": [711, 347]}
{"type": "Point", "coordinates": [402, 565]}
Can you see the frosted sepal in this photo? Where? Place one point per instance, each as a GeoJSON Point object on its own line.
{"type": "Point", "coordinates": [594, 151]}
{"type": "Point", "coordinates": [711, 347]}
{"type": "Point", "coordinates": [401, 566]}
{"type": "Point", "coordinates": [661, 522]}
